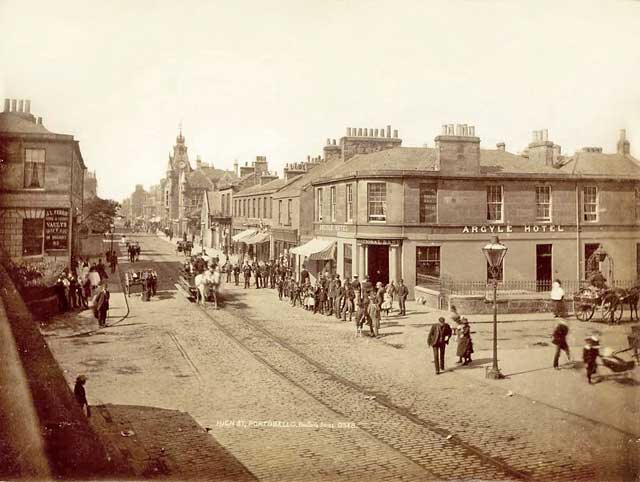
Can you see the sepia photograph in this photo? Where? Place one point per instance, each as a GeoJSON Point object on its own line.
{"type": "Point", "coordinates": [320, 240]}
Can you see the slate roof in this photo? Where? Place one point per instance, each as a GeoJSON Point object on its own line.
{"type": "Point", "coordinates": [207, 177]}
{"type": "Point", "coordinates": [262, 188]}
{"type": "Point", "coordinates": [493, 162]}
{"type": "Point", "coordinates": [21, 123]}
{"type": "Point", "coordinates": [299, 182]}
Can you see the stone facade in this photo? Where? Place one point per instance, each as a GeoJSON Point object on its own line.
{"type": "Point", "coordinates": [41, 187]}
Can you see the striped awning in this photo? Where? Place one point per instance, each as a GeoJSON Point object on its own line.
{"type": "Point", "coordinates": [257, 238]}
{"type": "Point", "coordinates": [241, 236]}
{"type": "Point", "coordinates": [316, 249]}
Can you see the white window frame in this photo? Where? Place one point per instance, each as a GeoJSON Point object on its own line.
{"type": "Point", "coordinates": [30, 160]}
{"type": "Point", "coordinates": [319, 205]}
{"type": "Point", "coordinates": [591, 204]}
{"type": "Point", "coordinates": [332, 205]}
{"type": "Point", "coordinates": [376, 218]}
{"type": "Point", "coordinates": [544, 204]}
{"type": "Point", "coordinates": [349, 202]}
{"type": "Point", "coordinates": [492, 202]}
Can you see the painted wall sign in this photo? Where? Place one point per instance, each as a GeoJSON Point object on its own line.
{"type": "Point", "coordinates": [334, 227]}
{"type": "Point", "coordinates": [527, 228]}
{"type": "Point", "coordinates": [388, 242]}
{"type": "Point", "coordinates": [56, 229]}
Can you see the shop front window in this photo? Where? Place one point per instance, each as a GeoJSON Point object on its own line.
{"type": "Point", "coordinates": [427, 265]}
{"type": "Point", "coordinates": [32, 236]}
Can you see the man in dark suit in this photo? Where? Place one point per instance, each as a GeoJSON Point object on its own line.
{"type": "Point", "coordinates": [438, 339]}
{"type": "Point", "coordinates": [101, 306]}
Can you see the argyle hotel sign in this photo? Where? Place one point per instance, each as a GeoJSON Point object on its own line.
{"type": "Point", "coordinates": [527, 228]}
{"type": "Point", "coordinates": [56, 229]}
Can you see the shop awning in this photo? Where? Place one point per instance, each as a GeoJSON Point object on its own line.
{"type": "Point", "coordinates": [241, 236]}
{"type": "Point", "coordinates": [316, 249]}
{"type": "Point", "coordinates": [257, 238]}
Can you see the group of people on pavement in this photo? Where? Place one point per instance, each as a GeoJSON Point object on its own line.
{"type": "Point", "coordinates": [441, 333]}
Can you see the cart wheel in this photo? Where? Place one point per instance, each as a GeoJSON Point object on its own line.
{"type": "Point", "coordinates": [583, 311]}
{"type": "Point", "coordinates": [611, 308]}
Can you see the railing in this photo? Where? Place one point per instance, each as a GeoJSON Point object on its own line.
{"type": "Point", "coordinates": [448, 287]}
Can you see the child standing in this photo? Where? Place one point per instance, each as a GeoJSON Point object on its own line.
{"type": "Point", "coordinates": [560, 341]}
{"type": "Point", "coordinates": [590, 354]}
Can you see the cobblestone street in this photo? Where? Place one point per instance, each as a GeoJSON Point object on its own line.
{"type": "Point", "coordinates": [295, 396]}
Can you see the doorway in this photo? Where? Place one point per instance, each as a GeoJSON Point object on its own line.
{"type": "Point", "coordinates": [378, 264]}
{"type": "Point", "coordinates": [544, 267]}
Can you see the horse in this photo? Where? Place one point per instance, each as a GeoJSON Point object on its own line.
{"type": "Point", "coordinates": [206, 290]}
{"type": "Point", "coordinates": [632, 297]}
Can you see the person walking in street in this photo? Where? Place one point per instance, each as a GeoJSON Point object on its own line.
{"type": "Point", "coordinates": [557, 298]}
{"type": "Point", "coordinates": [391, 290]}
{"type": "Point", "coordinates": [246, 273]}
{"type": "Point", "coordinates": [61, 290]}
{"type": "Point", "coordinates": [590, 354]}
{"type": "Point", "coordinates": [438, 339]}
{"type": "Point", "coordinates": [465, 344]}
{"type": "Point", "coordinates": [374, 316]}
{"type": "Point", "coordinates": [347, 304]}
{"type": "Point", "coordinates": [236, 274]}
{"type": "Point", "coordinates": [101, 306]}
{"type": "Point", "coordinates": [402, 292]}
{"type": "Point", "coordinates": [339, 298]}
{"type": "Point", "coordinates": [560, 341]}
{"type": "Point", "coordinates": [113, 261]}
{"type": "Point", "coordinates": [81, 394]}
{"type": "Point", "coordinates": [379, 295]}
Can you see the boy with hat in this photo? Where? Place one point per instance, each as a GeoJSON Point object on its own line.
{"type": "Point", "coordinates": [590, 354]}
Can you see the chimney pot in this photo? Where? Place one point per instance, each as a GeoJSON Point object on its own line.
{"type": "Point", "coordinates": [472, 131]}
{"type": "Point", "coordinates": [334, 142]}
{"type": "Point", "coordinates": [14, 105]}
{"type": "Point", "coordinates": [546, 135]}
{"type": "Point", "coordinates": [27, 106]}
{"type": "Point", "coordinates": [366, 132]}
{"type": "Point", "coordinates": [452, 131]}
{"type": "Point", "coordinates": [348, 132]}
{"type": "Point", "coordinates": [359, 131]}
{"type": "Point", "coordinates": [444, 130]}
{"type": "Point", "coordinates": [21, 105]}
{"type": "Point", "coordinates": [501, 146]}
{"type": "Point", "coordinates": [7, 105]}
{"type": "Point", "coordinates": [395, 133]}
{"type": "Point", "coordinates": [623, 132]}
{"type": "Point", "coordinates": [328, 142]}
{"type": "Point", "coordinates": [39, 121]}
{"type": "Point", "coordinates": [388, 131]}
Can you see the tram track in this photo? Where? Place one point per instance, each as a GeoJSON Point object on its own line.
{"type": "Point", "coordinates": [434, 448]}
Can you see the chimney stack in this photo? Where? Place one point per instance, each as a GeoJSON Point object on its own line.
{"type": "Point", "coordinates": [388, 131]}
{"type": "Point", "coordinates": [27, 106]}
{"type": "Point", "coordinates": [14, 105]}
{"type": "Point", "coordinates": [7, 105]}
{"type": "Point", "coordinates": [624, 146]}
{"type": "Point", "coordinates": [501, 146]}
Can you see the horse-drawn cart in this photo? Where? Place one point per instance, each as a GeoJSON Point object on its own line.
{"type": "Point", "coordinates": [144, 278]}
{"type": "Point", "coordinates": [587, 300]}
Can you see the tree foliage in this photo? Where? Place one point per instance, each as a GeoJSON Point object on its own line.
{"type": "Point", "coordinates": [98, 214]}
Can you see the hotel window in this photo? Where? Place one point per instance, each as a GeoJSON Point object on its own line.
{"type": "Point", "coordinates": [349, 198]}
{"type": "Point", "coordinates": [427, 265]}
{"type": "Point", "coordinates": [428, 203]}
{"type": "Point", "coordinates": [34, 168]}
{"type": "Point", "coordinates": [265, 208]}
{"type": "Point", "coordinates": [288, 212]}
{"type": "Point", "coordinates": [590, 203]}
{"type": "Point", "coordinates": [543, 203]}
{"type": "Point", "coordinates": [348, 260]}
{"type": "Point", "coordinates": [245, 210]}
{"type": "Point", "coordinates": [499, 274]}
{"type": "Point", "coordinates": [280, 211]}
{"type": "Point", "coordinates": [260, 207]}
{"type": "Point", "coordinates": [638, 202]}
{"type": "Point", "coordinates": [377, 201]}
{"type": "Point", "coordinates": [32, 236]}
{"type": "Point", "coordinates": [253, 211]}
{"type": "Point", "coordinates": [494, 203]}
{"type": "Point", "coordinates": [333, 203]}
{"type": "Point", "coordinates": [319, 204]}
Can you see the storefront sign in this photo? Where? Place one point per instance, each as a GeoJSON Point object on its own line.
{"type": "Point", "coordinates": [527, 228]}
{"type": "Point", "coordinates": [334, 227]}
{"type": "Point", "coordinates": [56, 229]}
{"type": "Point", "coordinates": [386, 242]}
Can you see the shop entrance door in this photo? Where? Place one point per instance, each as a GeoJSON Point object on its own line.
{"type": "Point", "coordinates": [544, 267]}
{"type": "Point", "coordinates": [378, 264]}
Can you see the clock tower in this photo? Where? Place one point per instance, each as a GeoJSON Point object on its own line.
{"type": "Point", "coordinates": [177, 167]}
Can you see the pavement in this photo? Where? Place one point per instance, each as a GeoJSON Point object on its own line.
{"type": "Point", "coordinates": [295, 396]}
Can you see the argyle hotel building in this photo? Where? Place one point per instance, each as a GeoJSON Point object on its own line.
{"type": "Point", "coordinates": [423, 214]}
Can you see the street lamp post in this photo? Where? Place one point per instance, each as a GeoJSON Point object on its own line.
{"type": "Point", "coordinates": [495, 253]}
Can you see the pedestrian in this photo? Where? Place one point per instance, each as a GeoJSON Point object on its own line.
{"type": "Point", "coordinates": [228, 268]}
{"type": "Point", "coordinates": [101, 306]}
{"type": "Point", "coordinates": [557, 299]}
{"type": "Point", "coordinates": [113, 261]}
{"type": "Point", "coordinates": [62, 293]}
{"type": "Point", "coordinates": [465, 344]}
{"type": "Point", "coordinates": [402, 292]}
{"type": "Point", "coordinates": [590, 354]}
{"type": "Point", "coordinates": [74, 302]}
{"type": "Point", "coordinates": [454, 316]}
{"type": "Point", "coordinates": [236, 274]}
{"type": "Point", "coordinates": [246, 273]}
{"type": "Point", "coordinates": [379, 296]}
{"type": "Point", "coordinates": [392, 290]}
{"type": "Point", "coordinates": [386, 303]}
{"type": "Point", "coordinates": [280, 286]}
{"type": "Point", "coordinates": [338, 301]}
{"type": "Point", "coordinates": [81, 394]}
{"type": "Point", "coordinates": [347, 304]}
{"type": "Point", "coordinates": [560, 341]}
{"type": "Point", "coordinates": [374, 316]}
{"type": "Point", "coordinates": [438, 339]}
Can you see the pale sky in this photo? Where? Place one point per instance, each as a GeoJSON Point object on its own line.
{"type": "Point", "coordinates": [250, 78]}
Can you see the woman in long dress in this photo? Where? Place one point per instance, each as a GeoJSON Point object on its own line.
{"type": "Point", "coordinates": [465, 344]}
